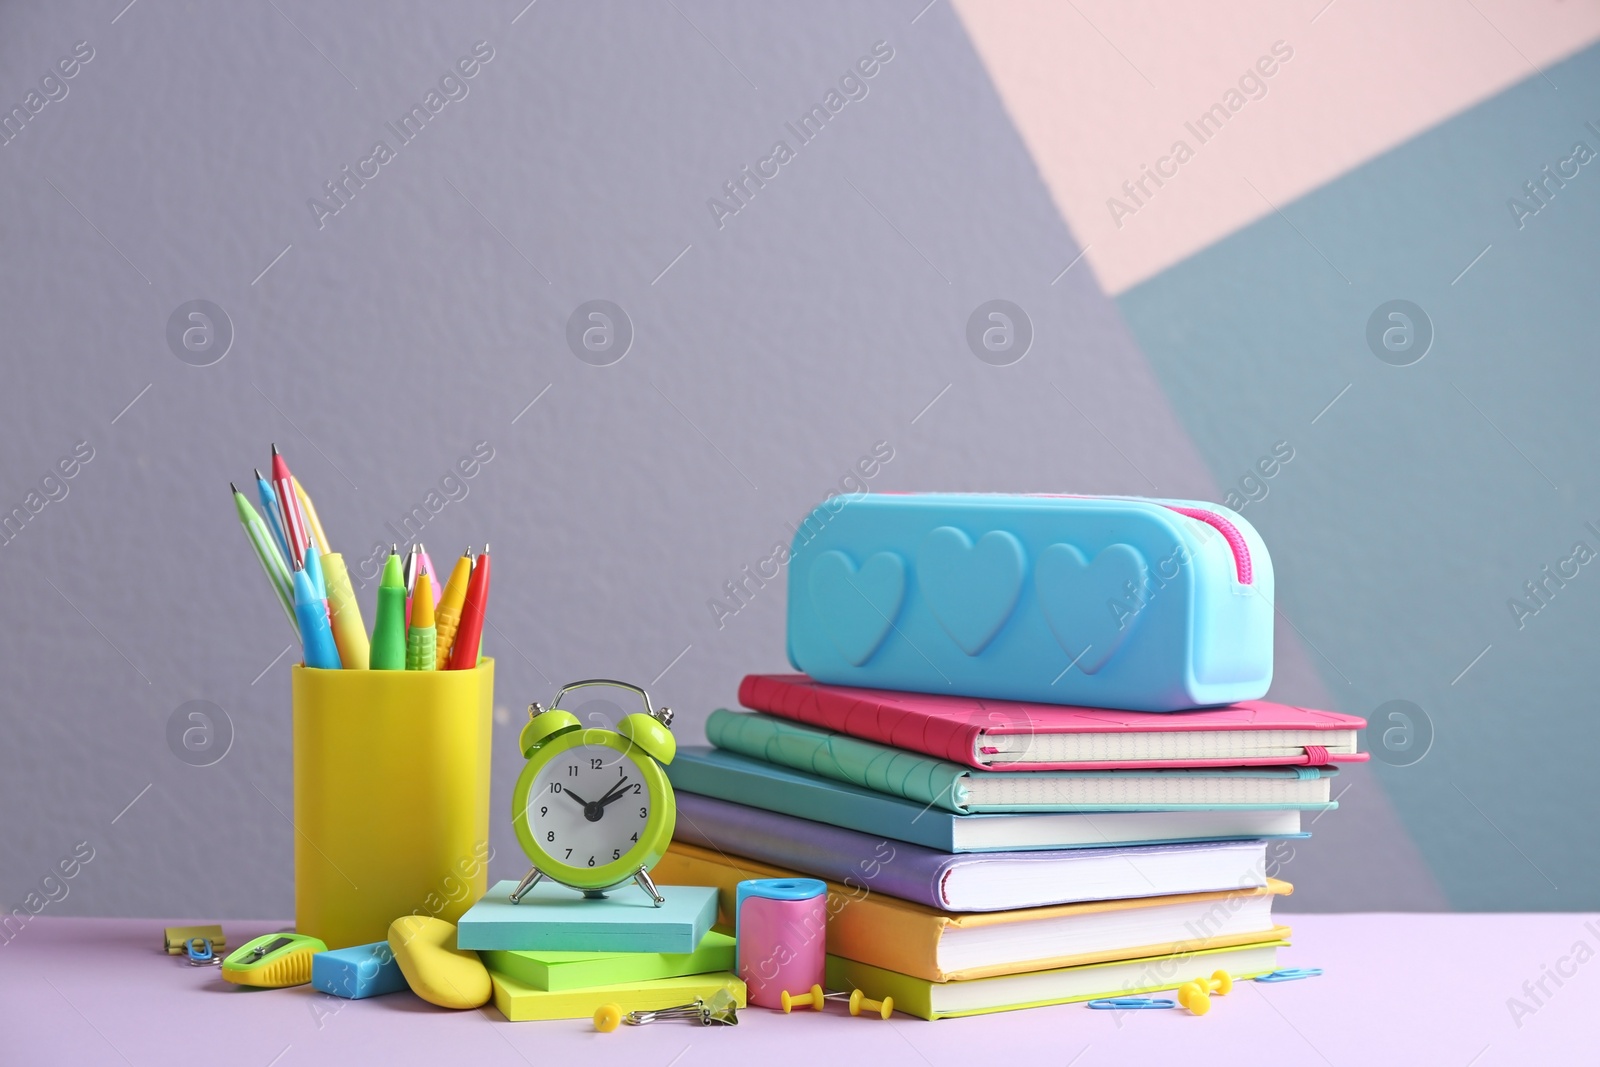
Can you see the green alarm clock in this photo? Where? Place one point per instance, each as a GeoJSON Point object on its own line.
{"type": "Point", "coordinates": [593, 809]}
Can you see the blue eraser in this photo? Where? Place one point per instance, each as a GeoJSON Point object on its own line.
{"type": "Point", "coordinates": [354, 973]}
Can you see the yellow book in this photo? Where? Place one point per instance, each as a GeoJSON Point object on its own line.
{"type": "Point", "coordinates": [1061, 985]}
{"type": "Point", "coordinates": [940, 946]}
{"type": "Point", "coordinates": [523, 1003]}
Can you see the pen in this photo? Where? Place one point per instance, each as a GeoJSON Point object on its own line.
{"type": "Point", "coordinates": [420, 654]}
{"type": "Point", "coordinates": [313, 520]}
{"type": "Point", "coordinates": [469, 634]}
{"type": "Point", "coordinates": [271, 562]}
{"type": "Point", "coordinates": [344, 615]}
{"type": "Point", "coordinates": [388, 652]}
{"type": "Point", "coordinates": [315, 636]}
{"type": "Point", "coordinates": [408, 575]}
{"type": "Point", "coordinates": [448, 615]}
{"type": "Point", "coordinates": [425, 563]}
{"type": "Point", "coordinates": [295, 532]}
{"type": "Point", "coordinates": [269, 504]}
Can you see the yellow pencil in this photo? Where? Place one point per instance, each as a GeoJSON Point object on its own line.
{"type": "Point", "coordinates": [312, 519]}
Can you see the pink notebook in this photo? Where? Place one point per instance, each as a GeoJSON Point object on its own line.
{"type": "Point", "coordinates": [1004, 735]}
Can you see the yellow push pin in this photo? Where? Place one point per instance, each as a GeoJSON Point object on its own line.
{"type": "Point", "coordinates": [859, 1001]}
{"type": "Point", "coordinates": [1196, 995]}
{"type": "Point", "coordinates": [607, 1018]}
{"type": "Point", "coordinates": [812, 999]}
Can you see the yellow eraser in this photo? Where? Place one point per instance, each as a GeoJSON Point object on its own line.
{"type": "Point", "coordinates": [174, 938]}
{"type": "Point", "coordinates": [437, 971]}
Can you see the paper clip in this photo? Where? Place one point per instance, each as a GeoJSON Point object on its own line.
{"type": "Point", "coordinates": [200, 952]}
{"type": "Point", "coordinates": [1130, 1003]}
{"type": "Point", "coordinates": [1290, 974]}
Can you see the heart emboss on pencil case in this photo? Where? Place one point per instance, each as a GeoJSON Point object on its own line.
{"type": "Point", "coordinates": [971, 589]}
{"type": "Point", "coordinates": [857, 605]}
{"type": "Point", "coordinates": [1091, 607]}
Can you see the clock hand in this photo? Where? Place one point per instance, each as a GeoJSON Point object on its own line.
{"type": "Point", "coordinates": [617, 793]}
{"type": "Point", "coordinates": [576, 797]}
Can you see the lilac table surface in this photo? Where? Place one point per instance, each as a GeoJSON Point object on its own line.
{"type": "Point", "coordinates": [1422, 989]}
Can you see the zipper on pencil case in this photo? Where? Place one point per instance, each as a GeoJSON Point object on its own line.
{"type": "Point", "coordinates": [1230, 533]}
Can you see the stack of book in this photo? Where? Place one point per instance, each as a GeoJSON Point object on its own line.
{"type": "Point", "coordinates": [985, 855]}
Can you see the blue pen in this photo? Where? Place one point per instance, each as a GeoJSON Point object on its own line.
{"type": "Point", "coordinates": [269, 504]}
{"type": "Point", "coordinates": [315, 633]}
{"type": "Point", "coordinates": [314, 568]}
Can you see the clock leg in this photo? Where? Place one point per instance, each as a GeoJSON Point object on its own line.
{"type": "Point", "coordinates": [642, 879]}
{"type": "Point", "coordinates": [526, 884]}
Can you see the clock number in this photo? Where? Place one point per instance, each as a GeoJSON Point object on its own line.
{"type": "Point", "coordinates": [616, 853]}
{"type": "Point", "coordinates": [591, 861]}
{"type": "Point", "coordinates": [568, 856]}
{"type": "Point", "coordinates": [644, 813]}
{"type": "Point", "coordinates": [638, 787]}
{"type": "Point", "coordinates": [555, 787]}
{"type": "Point", "coordinates": [551, 836]}
{"type": "Point", "coordinates": [572, 770]}
{"type": "Point", "coordinates": [633, 837]}
{"type": "Point", "coordinates": [544, 811]}
{"type": "Point", "coordinates": [594, 763]}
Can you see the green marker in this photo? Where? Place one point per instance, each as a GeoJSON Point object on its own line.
{"type": "Point", "coordinates": [389, 631]}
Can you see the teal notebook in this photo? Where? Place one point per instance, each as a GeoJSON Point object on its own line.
{"type": "Point", "coordinates": [755, 783]}
{"type": "Point", "coordinates": [557, 971]}
{"type": "Point", "coordinates": [559, 919]}
{"type": "Point", "coordinates": [963, 790]}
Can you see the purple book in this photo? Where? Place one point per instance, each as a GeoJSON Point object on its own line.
{"type": "Point", "coordinates": [975, 881]}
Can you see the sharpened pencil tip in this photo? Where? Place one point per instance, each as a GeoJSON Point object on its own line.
{"type": "Point", "coordinates": [274, 449]}
{"type": "Point", "coordinates": [257, 473]}
{"type": "Point", "coordinates": [233, 488]}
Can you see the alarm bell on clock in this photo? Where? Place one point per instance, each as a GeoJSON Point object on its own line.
{"type": "Point", "coordinates": [593, 809]}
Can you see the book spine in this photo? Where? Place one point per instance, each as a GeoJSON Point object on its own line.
{"type": "Point", "coordinates": [861, 926]}
{"type": "Point", "coordinates": [818, 802]}
{"type": "Point", "coordinates": [867, 719]}
{"type": "Point", "coordinates": [843, 759]}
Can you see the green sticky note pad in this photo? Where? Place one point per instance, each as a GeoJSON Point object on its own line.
{"type": "Point", "coordinates": [554, 918]}
{"type": "Point", "coordinates": [521, 1003]}
{"type": "Point", "coordinates": [556, 971]}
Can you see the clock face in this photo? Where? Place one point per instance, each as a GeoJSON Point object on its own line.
{"type": "Point", "coordinates": [588, 806]}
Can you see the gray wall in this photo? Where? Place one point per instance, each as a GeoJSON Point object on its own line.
{"type": "Point", "coordinates": [770, 353]}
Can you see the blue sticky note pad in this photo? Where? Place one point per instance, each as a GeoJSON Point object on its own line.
{"type": "Point", "coordinates": [556, 918]}
{"type": "Point", "coordinates": [354, 973]}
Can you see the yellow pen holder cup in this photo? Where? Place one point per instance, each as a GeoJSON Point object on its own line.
{"type": "Point", "coordinates": [391, 797]}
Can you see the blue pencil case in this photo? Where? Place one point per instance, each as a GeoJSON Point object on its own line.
{"type": "Point", "coordinates": [1112, 602]}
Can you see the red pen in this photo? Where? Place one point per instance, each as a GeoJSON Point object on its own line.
{"type": "Point", "coordinates": [295, 530]}
{"type": "Point", "coordinates": [469, 634]}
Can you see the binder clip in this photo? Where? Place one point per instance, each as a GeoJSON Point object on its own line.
{"type": "Point", "coordinates": [720, 1009]}
{"type": "Point", "coordinates": [200, 953]}
{"type": "Point", "coordinates": [1290, 974]}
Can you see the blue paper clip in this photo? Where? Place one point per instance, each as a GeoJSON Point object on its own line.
{"type": "Point", "coordinates": [1290, 974]}
{"type": "Point", "coordinates": [200, 953]}
{"type": "Point", "coordinates": [1130, 1004]}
